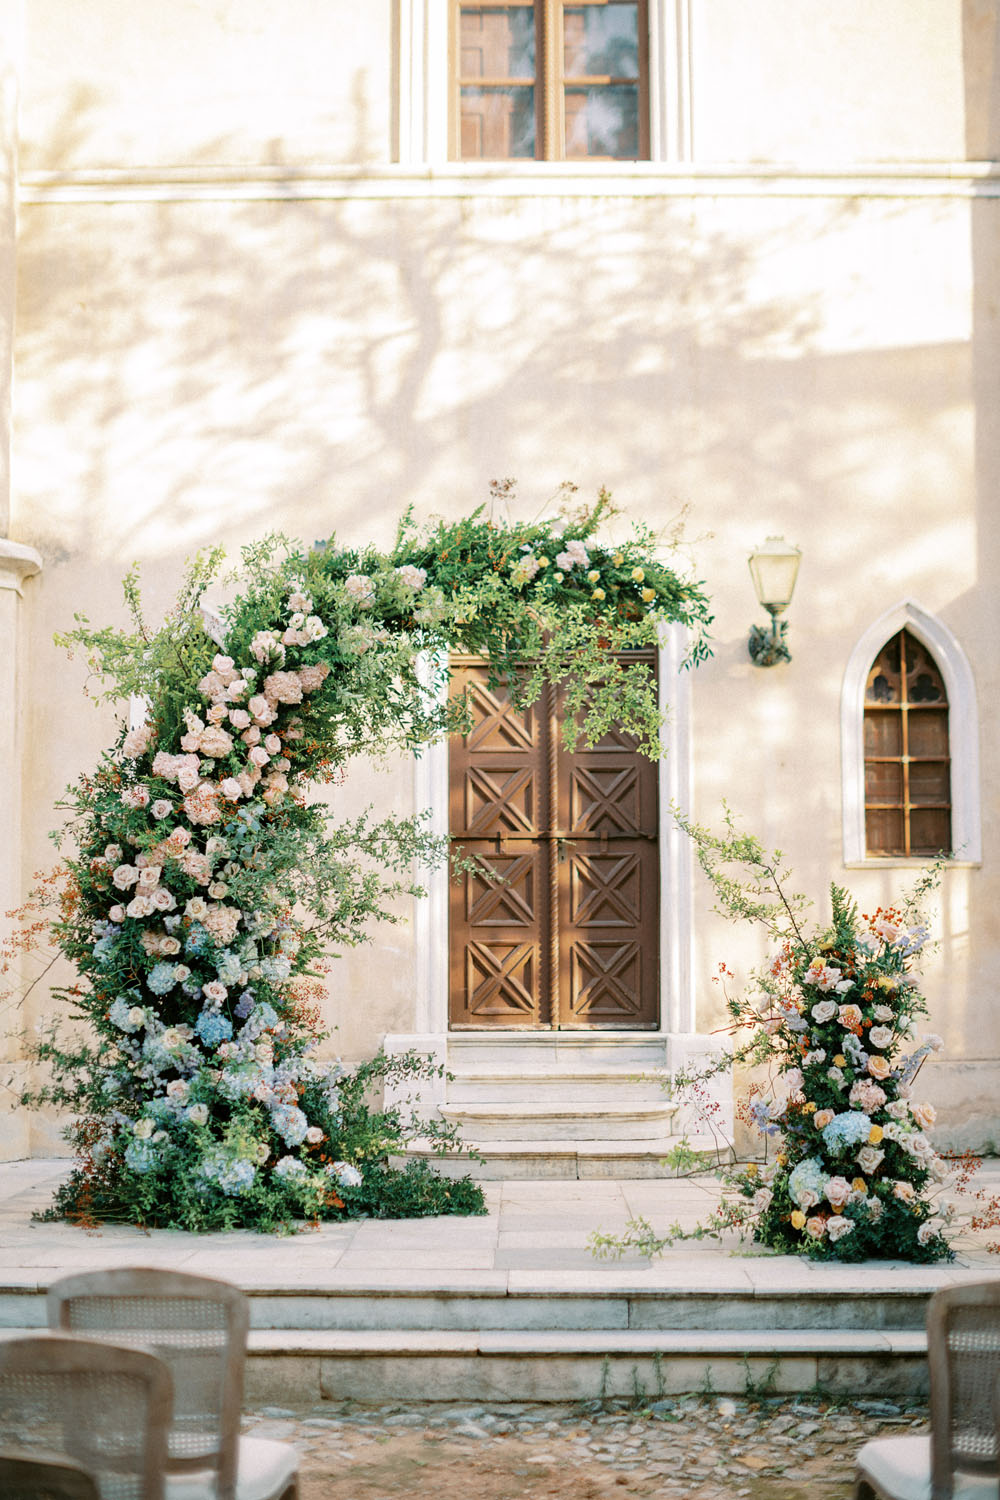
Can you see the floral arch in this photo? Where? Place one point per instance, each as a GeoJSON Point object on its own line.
{"type": "Point", "coordinates": [204, 888]}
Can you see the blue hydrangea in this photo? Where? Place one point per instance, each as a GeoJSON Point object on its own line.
{"type": "Point", "coordinates": [213, 1028]}
{"type": "Point", "coordinates": [229, 967]}
{"type": "Point", "coordinates": [848, 1129]}
{"type": "Point", "coordinates": [807, 1182]}
{"type": "Point", "coordinates": [290, 1123]}
{"type": "Point", "coordinates": [161, 979]}
{"type": "Point", "coordinates": [140, 1156]}
{"type": "Point", "coordinates": [234, 1175]}
{"type": "Point", "coordinates": [346, 1175]}
{"type": "Point", "coordinates": [196, 938]}
{"type": "Point", "coordinates": [120, 1012]}
{"type": "Point", "coordinates": [104, 949]}
{"type": "Point", "coordinates": [289, 1168]}
{"type": "Point", "coordinates": [262, 1017]}
{"type": "Point", "coordinates": [276, 970]}
{"type": "Point", "coordinates": [244, 1005]}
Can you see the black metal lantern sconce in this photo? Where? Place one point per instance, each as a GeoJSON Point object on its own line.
{"type": "Point", "coordinates": [774, 569]}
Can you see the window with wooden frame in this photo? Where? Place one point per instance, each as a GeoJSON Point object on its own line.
{"type": "Point", "coordinates": [550, 81]}
{"type": "Point", "coordinates": [907, 760]}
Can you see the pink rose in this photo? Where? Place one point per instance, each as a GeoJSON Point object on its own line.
{"type": "Point", "coordinates": [259, 756]}
{"type": "Point", "coordinates": [231, 789]}
{"type": "Point", "coordinates": [116, 914]}
{"type": "Point", "coordinates": [838, 1190]}
{"type": "Point", "coordinates": [878, 1067]}
{"type": "Point", "coordinates": [239, 718]}
{"type": "Point", "coordinates": [816, 1227]}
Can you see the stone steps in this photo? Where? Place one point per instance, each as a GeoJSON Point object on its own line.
{"type": "Point", "coordinates": [465, 1340]}
{"type": "Point", "coordinates": [502, 1160]}
{"type": "Point", "coordinates": [577, 1086]}
{"type": "Point", "coordinates": [536, 1119]}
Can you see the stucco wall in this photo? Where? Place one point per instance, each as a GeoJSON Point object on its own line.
{"type": "Point", "coordinates": [812, 357]}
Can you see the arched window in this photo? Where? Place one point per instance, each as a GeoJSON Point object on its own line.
{"type": "Point", "coordinates": [907, 764]}
{"type": "Point", "coordinates": [909, 743]}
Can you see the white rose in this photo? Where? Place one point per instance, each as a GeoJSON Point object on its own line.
{"type": "Point", "coordinates": [144, 1128]}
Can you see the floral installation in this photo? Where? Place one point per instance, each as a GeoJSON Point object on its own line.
{"type": "Point", "coordinates": [205, 889]}
{"type": "Point", "coordinates": [834, 1019]}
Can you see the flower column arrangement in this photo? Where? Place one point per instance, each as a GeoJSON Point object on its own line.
{"type": "Point", "coordinates": [855, 1163]}
{"type": "Point", "coordinates": [206, 887]}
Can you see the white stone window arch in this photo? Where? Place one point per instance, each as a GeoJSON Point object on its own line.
{"type": "Point", "coordinates": [963, 731]}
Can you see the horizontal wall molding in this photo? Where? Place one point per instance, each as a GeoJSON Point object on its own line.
{"type": "Point", "coordinates": [522, 180]}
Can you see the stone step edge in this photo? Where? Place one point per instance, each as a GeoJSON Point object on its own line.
{"type": "Point", "coordinates": [470, 1074]}
{"type": "Point", "coordinates": [671, 1343]}
{"type": "Point", "coordinates": [674, 1344]}
{"type": "Point", "coordinates": [613, 1149]}
{"type": "Point", "coordinates": [496, 1288]}
{"type": "Point", "coordinates": [641, 1109]}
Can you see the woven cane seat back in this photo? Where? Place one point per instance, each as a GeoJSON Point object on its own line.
{"type": "Point", "coordinates": [105, 1408]}
{"type": "Point", "coordinates": [972, 1340]}
{"type": "Point", "coordinates": [25, 1476]}
{"type": "Point", "coordinates": [197, 1326]}
{"type": "Point", "coordinates": [190, 1335]}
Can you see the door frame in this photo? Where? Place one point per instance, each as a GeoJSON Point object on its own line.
{"type": "Point", "coordinates": [677, 1000]}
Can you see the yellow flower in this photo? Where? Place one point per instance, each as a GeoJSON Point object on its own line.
{"type": "Point", "coordinates": [859, 1185]}
{"type": "Point", "coordinates": [752, 1169]}
{"type": "Point", "coordinates": [809, 1107]}
{"type": "Point", "coordinates": [647, 596]}
{"type": "Point", "coordinates": [597, 594]}
{"type": "Point", "coordinates": [593, 575]}
{"type": "Point", "coordinates": [638, 574]}
{"type": "Point", "coordinates": [840, 1061]}
{"type": "Point", "coordinates": [798, 1219]}
{"type": "Point", "coordinates": [618, 559]}
{"type": "Point", "coordinates": [874, 1135]}
{"type": "Point", "coordinates": [558, 577]}
{"type": "Point", "coordinates": [542, 562]}
{"type": "Point", "coordinates": [781, 1159]}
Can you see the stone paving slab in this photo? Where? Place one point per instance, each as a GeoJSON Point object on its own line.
{"type": "Point", "coordinates": [534, 1239]}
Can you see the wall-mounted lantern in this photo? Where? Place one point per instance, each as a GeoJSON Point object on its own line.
{"type": "Point", "coordinates": [773, 568]}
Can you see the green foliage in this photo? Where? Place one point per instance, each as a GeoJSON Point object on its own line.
{"type": "Point", "coordinates": [203, 892]}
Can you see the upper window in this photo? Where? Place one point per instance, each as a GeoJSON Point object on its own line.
{"type": "Point", "coordinates": [906, 744]}
{"type": "Point", "coordinates": [551, 81]}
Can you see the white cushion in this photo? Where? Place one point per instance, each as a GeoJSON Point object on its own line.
{"type": "Point", "coordinates": [266, 1469]}
{"type": "Point", "coordinates": [899, 1468]}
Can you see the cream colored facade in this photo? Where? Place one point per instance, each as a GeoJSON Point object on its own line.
{"type": "Point", "coordinates": [246, 290]}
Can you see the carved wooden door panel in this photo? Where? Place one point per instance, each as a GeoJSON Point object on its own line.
{"type": "Point", "coordinates": [556, 923]}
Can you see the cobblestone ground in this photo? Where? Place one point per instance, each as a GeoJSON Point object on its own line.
{"type": "Point", "coordinates": [702, 1448]}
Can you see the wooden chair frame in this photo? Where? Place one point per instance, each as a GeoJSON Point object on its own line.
{"type": "Point", "coordinates": [145, 1284]}
{"type": "Point", "coordinates": [71, 1356]}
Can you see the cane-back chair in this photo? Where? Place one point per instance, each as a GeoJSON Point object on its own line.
{"type": "Point", "coordinates": [198, 1327]}
{"type": "Point", "coordinates": [959, 1459]}
{"type": "Point", "coordinates": [44, 1476]}
{"type": "Point", "coordinates": [105, 1408]}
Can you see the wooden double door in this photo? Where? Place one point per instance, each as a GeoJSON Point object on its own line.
{"type": "Point", "coordinates": [555, 925]}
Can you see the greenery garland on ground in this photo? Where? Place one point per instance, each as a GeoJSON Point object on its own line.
{"type": "Point", "coordinates": [205, 888]}
{"type": "Point", "coordinates": [833, 1018]}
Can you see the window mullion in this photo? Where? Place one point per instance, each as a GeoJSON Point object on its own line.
{"type": "Point", "coordinates": [550, 105]}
